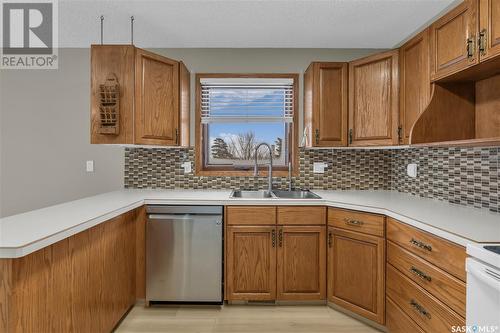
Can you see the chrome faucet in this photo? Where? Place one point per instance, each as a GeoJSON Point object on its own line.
{"type": "Point", "coordinates": [256, 166]}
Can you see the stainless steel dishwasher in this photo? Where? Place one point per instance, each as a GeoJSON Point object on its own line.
{"type": "Point", "coordinates": [184, 254]}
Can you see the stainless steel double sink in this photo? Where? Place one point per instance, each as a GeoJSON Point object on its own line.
{"type": "Point", "coordinates": [274, 194]}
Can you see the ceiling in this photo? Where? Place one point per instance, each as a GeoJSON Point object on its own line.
{"type": "Point", "coordinates": [246, 23]}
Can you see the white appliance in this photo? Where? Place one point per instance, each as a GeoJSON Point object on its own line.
{"type": "Point", "coordinates": [483, 288]}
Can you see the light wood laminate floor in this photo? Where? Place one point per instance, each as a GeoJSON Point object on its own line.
{"type": "Point", "coordinates": [241, 319]}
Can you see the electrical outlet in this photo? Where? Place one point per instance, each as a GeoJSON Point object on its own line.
{"type": "Point", "coordinates": [319, 167]}
{"type": "Point", "coordinates": [411, 170]}
{"type": "Point", "coordinates": [90, 166]}
{"type": "Point", "coordinates": [187, 167]}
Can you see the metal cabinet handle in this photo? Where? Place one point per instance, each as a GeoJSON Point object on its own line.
{"type": "Point", "coordinates": [482, 41]}
{"type": "Point", "coordinates": [356, 223]}
{"type": "Point", "coordinates": [316, 135]}
{"type": "Point", "coordinates": [420, 244]}
{"type": "Point", "coordinates": [350, 135]}
{"type": "Point", "coordinates": [330, 239]}
{"type": "Point", "coordinates": [420, 309]}
{"type": "Point", "coordinates": [420, 274]}
{"type": "Point", "coordinates": [471, 47]}
{"type": "Point", "coordinates": [273, 237]}
{"type": "Point", "coordinates": [280, 238]}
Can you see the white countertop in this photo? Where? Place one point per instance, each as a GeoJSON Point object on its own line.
{"type": "Point", "coordinates": [25, 233]}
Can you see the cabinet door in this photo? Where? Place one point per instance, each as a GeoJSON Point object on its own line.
{"type": "Point", "coordinates": [414, 84]}
{"type": "Point", "coordinates": [453, 40]}
{"type": "Point", "coordinates": [373, 100]}
{"type": "Point", "coordinates": [156, 99]}
{"type": "Point", "coordinates": [356, 273]}
{"type": "Point", "coordinates": [251, 263]}
{"type": "Point", "coordinates": [301, 263]}
{"type": "Point", "coordinates": [325, 103]}
{"type": "Point", "coordinates": [489, 28]}
{"type": "Point", "coordinates": [112, 61]}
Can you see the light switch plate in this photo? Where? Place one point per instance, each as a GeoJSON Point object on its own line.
{"type": "Point", "coordinates": [319, 167]}
{"type": "Point", "coordinates": [411, 170]}
{"type": "Point", "coordinates": [89, 166]}
{"type": "Point", "coordinates": [187, 167]}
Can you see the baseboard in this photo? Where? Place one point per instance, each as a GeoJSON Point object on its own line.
{"type": "Point", "coordinates": [277, 302]}
{"type": "Point", "coordinates": [356, 316]}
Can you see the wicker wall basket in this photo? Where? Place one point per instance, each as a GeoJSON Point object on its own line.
{"type": "Point", "coordinates": [109, 108]}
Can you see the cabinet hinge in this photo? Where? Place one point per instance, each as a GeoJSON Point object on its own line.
{"type": "Point", "coordinates": [471, 48]}
{"type": "Point", "coordinates": [482, 42]}
{"type": "Point", "coordinates": [350, 135]}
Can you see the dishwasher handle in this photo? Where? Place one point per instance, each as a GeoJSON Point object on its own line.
{"type": "Point", "coordinates": [182, 216]}
{"type": "Point", "coordinates": [485, 275]}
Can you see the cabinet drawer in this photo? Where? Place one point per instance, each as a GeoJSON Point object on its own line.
{"type": "Point", "coordinates": [366, 223]}
{"type": "Point", "coordinates": [397, 321]}
{"type": "Point", "coordinates": [429, 313]}
{"type": "Point", "coordinates": [302, 215]}
{"type": "Point", "coordinates": [442, 253]}
{"type": "Point", "coordinates": [440, 284]}
{"type": "Point", "coordinates": [251, 215]}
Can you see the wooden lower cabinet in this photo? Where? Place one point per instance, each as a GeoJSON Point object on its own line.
{"type": "Point", "coordinates": [397, 321]}
{"type": "Point", "coordinates": [356, 278]}
{"type": "Point", "coordinates": [281, 257]}
{"type": "Point", "coordinates": [250, 263]}
{"type": "Point", "coordinates": [84, 283]}
{"type": "Point", "coordinates": [250, 215]}
{"type": "Point", "coordinates": [301, 259]}
{"type": "Point", "coordinates": [442, 285]}
{"type": "Point", "coordinates": [446, 255]}
{"type": "Point", "coordinates": [428, 312]}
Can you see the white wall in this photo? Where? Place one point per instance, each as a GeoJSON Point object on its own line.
{"type": "Point", "coordinates": [44, 121]}
{"type": "Point", "coordinates": [45, 137]}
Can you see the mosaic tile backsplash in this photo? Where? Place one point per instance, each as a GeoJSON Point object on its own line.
{"type": "Point", "coordinates": [467, 176]}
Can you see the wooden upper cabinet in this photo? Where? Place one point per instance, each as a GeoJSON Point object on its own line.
{"type": "Point", "coordinates": [156, 100]}
{"type": "Point", "coordinates": [250, 263]}
{"type": "Point", "coordinates": [325, 104]}
{"type": "Point", "coordinates": [489, 29]}
{"type": "Point", "coordinates": [453, 40]}
{"type": "Point", "coordinates": [414, 82]}
{"type": "Point", "coordinates": [373, 100]}
{"type": "Point", "coordinates": [356, 276]}
{"type": "Point", "coordinates": [108, 62]}
{"type": "Point", "coordinates": [153, 103]}
{"type": "Point", "coordinates": [301, 259]}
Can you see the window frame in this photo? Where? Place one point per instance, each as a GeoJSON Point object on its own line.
{"type": "Point", "coordinates": [200, 137]}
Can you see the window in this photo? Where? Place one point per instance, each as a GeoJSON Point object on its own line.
{"type": "Point", "coordinates": [237, 112]}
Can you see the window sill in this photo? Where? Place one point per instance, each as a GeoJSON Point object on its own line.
{"type": "Point", "coordinates": [242, 173]}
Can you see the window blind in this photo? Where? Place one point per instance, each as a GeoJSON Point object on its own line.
{"type": "Point", "coordinates": [246, 100]}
